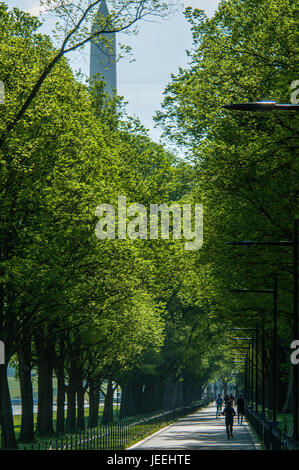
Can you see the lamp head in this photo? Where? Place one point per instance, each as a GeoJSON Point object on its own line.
{"type": "Point", "coordinates": [252, 106]}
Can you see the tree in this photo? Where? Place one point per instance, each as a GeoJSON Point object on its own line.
{"type": "Point", "coordinates": [245, 164]}
{"type": "Point", "coordinates": [60, 160]}
{"type": "Point", "coordinates": [78, 19]}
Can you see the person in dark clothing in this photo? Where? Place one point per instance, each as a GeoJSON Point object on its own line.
{"type": "Point", "coordinates": [226, 399]}
{"type": "Point", "coordinates": [240, 408]}
{"type": "Point", "coordinates": [219, 401]}
{"type": "Point", "coordinates": [229, 413]}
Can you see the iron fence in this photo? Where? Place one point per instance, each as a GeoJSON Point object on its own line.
{"type": "Point", "coordinates": [117, 436]}
{"type": "Point", "coordinates": [270, 433]}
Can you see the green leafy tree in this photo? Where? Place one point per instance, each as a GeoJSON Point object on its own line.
{"type": "Point", "coordinates": [245, 165]}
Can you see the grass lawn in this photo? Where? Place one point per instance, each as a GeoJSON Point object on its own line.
{"type": "Point", "coordinates": [280, 417]}
{"type": "Point", "coordinates": [112, 438]}
{"type": "Point", "coordinates": [17, 418]}
{"type": "Point", "coordinates": [14, 388]}
{"type": "Point", "coordinates": [42, 440]}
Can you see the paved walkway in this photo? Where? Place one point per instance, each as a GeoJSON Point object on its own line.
{"type": "Point", "coordinates": [201, 431]}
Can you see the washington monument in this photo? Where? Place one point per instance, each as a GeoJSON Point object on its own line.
{"type": "Point", "coordinates": [103, 55]}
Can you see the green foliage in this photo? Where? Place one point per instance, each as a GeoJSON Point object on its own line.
{"type": "Point", "coordinates": [119, 308]}
{"type": "Point", "coordinates": [245, 165]}
{"type": "Point", "coordinates": [72, 150]}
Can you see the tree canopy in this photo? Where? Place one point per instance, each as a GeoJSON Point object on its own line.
{"type": "Point", "coordinates": [148, 315]}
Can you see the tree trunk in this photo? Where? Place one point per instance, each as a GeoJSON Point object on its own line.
{"type": "Point", "coordinates": [126, 401]}
{"type": "Point", "coordinates": [8, 437]}
{"type": "Point", "coordinates": [170, 395]}
{"type": "Point", "coordinates": [94, 402]}
{"type": "Point", "coordinates": [158, 394]}
{"type": "Point", "coordinates": [60, 427]}
{"type": "Point", "coordinates": [2, 372]}
{"type": "Point", "coordinates": [71, 396]}
{"type": "Point", "coordinates": [287, 406]}
{"type": "Point", "coordinates": [45, 394]}
{"type": "Point", "coordinates": [71, 408]}
{"type": "Point", "coordinates": [150, 394]}
{"type": "Point", "coordinates": [80, 407]}
{"type": "Point", "coordinates": [145, 395]}
{"type": "Point", "coordinates": [27, 424]}
{"type": "Point", "coordinates": [59, 369]}
{"type": "Point", "coordinates": [128, 406]}
{"type": "Point", "coordinates": [224, 385]}
{"type": "Point", "coordinates": [108, 405]}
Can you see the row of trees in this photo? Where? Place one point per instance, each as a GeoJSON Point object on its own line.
{"type": "Point", "coordinates": [245, 164]}
{"type": "Point", "coordinates": [145, 314]}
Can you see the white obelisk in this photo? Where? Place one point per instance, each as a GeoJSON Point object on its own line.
{"type": "Point", "coordinates": [103, 55]}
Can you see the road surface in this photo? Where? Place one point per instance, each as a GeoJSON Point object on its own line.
{"type": "Point", "coordinates": [201, 431]}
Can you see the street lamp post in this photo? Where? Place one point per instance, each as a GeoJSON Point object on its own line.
{"type": "Point", "coordinates": [242, 373]}
{"type": "Point", "coordinates": [262, 106]}
{"type": "Point", "coordinates": [250, 382]}
{"type": "Point", "coordinates": [294, 244]}
{"type": "Point", "coordinates": [252, 370]}
{"type": "Point", "coordinates": [263, 367]}
{"type": "Point", "coordinates": [273, 106]}
{"type": "Point", "coordinates": [252, 366]}
{"type": "Point", "coordinates": [295, 330]}
{"type": "Point", "coordinates": [248, 375]}
{"type": "Point", "coordinates": [256, 369]}
{"type": "Point", "coordinates": [244, 352]}
{"type": "Point", "coordinates": [274, 292]}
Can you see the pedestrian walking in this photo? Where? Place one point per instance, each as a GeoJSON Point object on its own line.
{"type": "Point", "coordinates": [231, 398]}
{"type": "Point", "coordinates": [219, 401]}
{"type": "Point", "coordinates": [240, 408]}
{"type": "Point", "coordinates": [229, 413]}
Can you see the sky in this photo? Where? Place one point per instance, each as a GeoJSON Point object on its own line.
{"type": "Point", "coordinates": [158, 50]}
